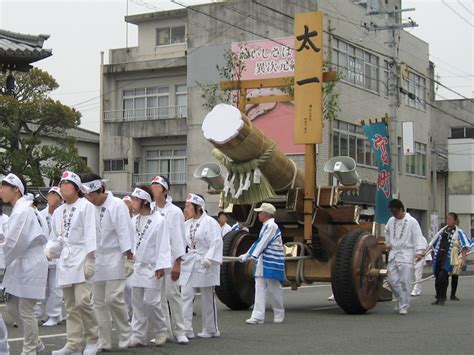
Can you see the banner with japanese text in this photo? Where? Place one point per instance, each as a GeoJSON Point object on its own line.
{"type": "Point", "coordinates": [378, 137]}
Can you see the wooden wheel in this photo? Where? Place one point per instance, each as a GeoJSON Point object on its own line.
{"type": "Point", "coordinates": [355, 290]}
{"type": "Point", "coordinates": [237, 288]}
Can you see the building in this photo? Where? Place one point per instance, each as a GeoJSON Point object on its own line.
{"type": "Point", "coordinates": [149, 132]}
{"type": "Point", "coordinates": [452, 134]}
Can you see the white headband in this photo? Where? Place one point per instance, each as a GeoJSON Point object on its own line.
{"type": "Point", "coordinates": [74, 178]}
{"type": "Point", "coordinates": [14, 180]}
{"type": "Point", "coordinates": [161, 181]}
{"type": "Point", "coordinates": [141, 194]}
{"type": "Point", "coordinates": [56, 190]}
{"type": "Point", "coordinates": [196, 200]}
{"type": "Point", "coordinates": [95, 185]}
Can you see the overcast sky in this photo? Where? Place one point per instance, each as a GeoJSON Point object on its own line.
{"type": "Point", "coordinates": [81, 29]}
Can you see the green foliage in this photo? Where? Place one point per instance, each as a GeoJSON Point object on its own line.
{"type": "Point", "coordinates": [29, 116]}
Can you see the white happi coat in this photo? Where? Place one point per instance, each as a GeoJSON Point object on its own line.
{"type": "Point", "coordinates": [48, 217]}
{"type": "Point", "coordinates": [405, 238]}
{"type": "Point", "coordinates": [175, 220]}
{"type": "Point", "coordinates": [204, 243]}
{"type": "Point", "coordinates": [225, 229]}
{"type": "Point", "coordinates": [3, 231]}
{"type": "Point", "coordinates": [151, 250]}
{"type": "Point", "coordinates": [80, 241]}
{"type": "Point", "coordinates": [114, 237]}
{"type": "Point", "coordinates": [26, 265]}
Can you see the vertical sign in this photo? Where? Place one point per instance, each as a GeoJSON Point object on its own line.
{"type": "Point", "coordinates": [309, 78]}
{"type": "Point", "coordinates": [408, 138]}
{"type": "Point", "coordinates": [378, 137]}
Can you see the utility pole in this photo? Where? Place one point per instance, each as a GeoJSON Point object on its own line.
{"type": "Point", "coordinates": [394, 26]}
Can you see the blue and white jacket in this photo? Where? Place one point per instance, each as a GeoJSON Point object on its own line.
{"type": "Point", "coordinates": [458, 235]}
{"type": "Point", "coordinates": [269, 252]}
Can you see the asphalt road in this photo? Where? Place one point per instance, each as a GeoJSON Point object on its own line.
{"type": "Point", "coordinates": [315, 325]}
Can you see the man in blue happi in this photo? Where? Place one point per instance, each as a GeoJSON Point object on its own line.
{"type": "Point", "coordinates": [270, 269]}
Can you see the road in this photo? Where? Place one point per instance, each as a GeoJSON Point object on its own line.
{"type": "Point", "coordinates": [315, 325]}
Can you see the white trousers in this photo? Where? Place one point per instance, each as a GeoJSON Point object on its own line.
{"type": "Point", "coordinates": [172, 306]}
{"type": "Point", "coordinates": [147, 314]}
{"type": "Point", "coordinates": [24, 308]}
{"type": "Point", "coordinates": [109, 304]}
{"type": "Point", "coordinates": [417, 288]}
{"type": "Point", "coordinates": [208, 308]}
{"type": "Point", "coordinates": [400, 277]}
{"type": "Point", "coordinates": [52, 305]}
{"type": "Point", "coordinates": [81, 324]}
{"type": "Point", "coordinates": [272, 288]}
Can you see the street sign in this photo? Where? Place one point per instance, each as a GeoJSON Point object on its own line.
{"type": "Point", "coordinates": [309, 78]}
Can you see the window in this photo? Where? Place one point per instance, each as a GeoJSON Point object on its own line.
{"type": "Point", "coordinates": [181, 100]}
{"type": "Point", "coordinates": [357, 66]}
{"type": "Point", "coordinates": [416, 86]}
{"type": "Point", "coordinates": [386, 76]}
{"type": "Point", "coordinates": [350, 140]}
{"type": "Point", "coordinates": [170, 35]}
{"type": "Point", "coordinates": [146, 103]}
{"type": "Point", "coordinates": [169, 162]}
{"type": "Point", "coordinates": [416, 164]}
{"type": "Point", "coordinates": [114, 165]}
{"type": "Point", "coordinates": [462, 132]}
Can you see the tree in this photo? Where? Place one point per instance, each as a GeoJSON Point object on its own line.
{"type": "Point", "coordinates": [27, 116]}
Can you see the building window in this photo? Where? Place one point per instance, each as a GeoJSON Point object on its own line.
{"type": "Point", "coordinates": [169, 162]}
{"type": "Point", "coordinates": [170, 35]}
{"type": "Point", "coordinates": [416, 86]}
{"type": "Point", "coordinates": [181, 95]}
{"type": "Point", "coordinates": [416, 164]}
{"type": "Point", "coordinates": [114, 165]}
{"type": "Point", "coordinates": [350, 140]}
{"type": "Point", "coordinates": [462, 132]}
{"type": "Point", "coordinates": [146, 103]}
{"type": "Point", "coordinates": [357, 66]}
{"type": "Point", "coordinates": [386, 76]}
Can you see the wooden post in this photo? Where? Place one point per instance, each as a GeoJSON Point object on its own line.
{"type": "Point", "coordinates": [309, 189]}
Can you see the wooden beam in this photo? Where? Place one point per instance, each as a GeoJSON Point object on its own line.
{"type": "Point", "coordinates": [266, 99]}
{"type": "Point", "coordinates": [268, 83]}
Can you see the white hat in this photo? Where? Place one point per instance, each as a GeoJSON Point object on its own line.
{"type": "Point", "coordinates": [267, 208]}
{"type": "Point", "coordinates": [74, 178]}
{"type": "Point", "coordinates": [195, 199]}
{"type": "Point", "coordinates": [14, 180]}
{"type": "Point", "coordinates": [95, 185]}
{"type": "Point", "coordinates": [141, 194]}
{"type": "Point", "coordinates": [56, 190]}
{"type": "Point", "coordinates": [160, 180]}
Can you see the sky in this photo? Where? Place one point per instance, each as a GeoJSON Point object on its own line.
{"type": "Point", "coordinates": [81, 29]}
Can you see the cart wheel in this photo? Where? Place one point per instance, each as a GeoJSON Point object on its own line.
{"type": "Point", "coordinates": [354, 290]}
{"type": "Point", "coordinates": [237, 288]}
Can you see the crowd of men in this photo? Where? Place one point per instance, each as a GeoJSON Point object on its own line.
{"type": "Point", "coordinates": [138, 262]}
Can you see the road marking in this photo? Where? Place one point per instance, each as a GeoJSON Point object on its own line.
{"type": "Point", "coordinates": [41, 337]}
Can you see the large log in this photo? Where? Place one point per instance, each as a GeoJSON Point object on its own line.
{"type": "Point", "coordinates": [234, 135]}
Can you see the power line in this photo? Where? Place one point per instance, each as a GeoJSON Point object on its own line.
{"type": "Point", "coordinates": [467, 9]}
{"type": "Point", "coordinates": [457, 13]}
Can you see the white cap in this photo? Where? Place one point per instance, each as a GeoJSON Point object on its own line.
{"type": "Point", "coordinates": [195, 199]}
{"type": "Point", "coordinates": [74, 178]}
{"type": "Point", "coordinates": [160, 180]}
{"type": "Point", "coordinates": [141, 194]}
{"type": "Point", "coordinates": [14, 180]}
{"type": "Point", "coordinates": [267, 208]}
{"type": "Point", "coordinates": [56, 190]}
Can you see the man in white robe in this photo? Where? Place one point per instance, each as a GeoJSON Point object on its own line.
{"type": "Point", "coordinates": [405, 242]}
{"type": "Point", "coordinates": [26, 266]}
{"type": "Point", "coordinates": [222, 219]}
{"type": "Point", "coordinates": [113, 254]}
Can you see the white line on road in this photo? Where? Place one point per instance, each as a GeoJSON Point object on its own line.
{"type": "Point", "coordinates": [41, 337]}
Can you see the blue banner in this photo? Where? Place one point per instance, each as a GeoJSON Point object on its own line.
{"type": "Point", "coordinates": [378, 137]}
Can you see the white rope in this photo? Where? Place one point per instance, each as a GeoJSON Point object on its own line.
{"type": "Point", "coordinates": [233, 259]}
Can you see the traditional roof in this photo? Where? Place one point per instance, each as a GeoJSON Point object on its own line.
{"type": "Point", "coordinates": [18, 50]}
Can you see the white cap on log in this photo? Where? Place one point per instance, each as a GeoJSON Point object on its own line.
{"type": "Point", "coordinates": [222, 124]}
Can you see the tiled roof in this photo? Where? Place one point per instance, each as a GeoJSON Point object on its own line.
{"type": "Point", "coordinates": [81, 134]}
{"type": "Point", "coordinates": [18, 50]}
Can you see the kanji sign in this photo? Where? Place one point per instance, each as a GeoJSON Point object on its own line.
{"type": "Point", "coordinates": [308, 78]}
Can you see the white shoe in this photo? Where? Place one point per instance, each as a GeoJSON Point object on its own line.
{"type": "Point", "coordinates": [160, 340]}
{"type": "Point", "coordinates": [123, 344]}
{"type": "Point", "coordinates": [403, 312]}
{"type": "Point", "coordinates": [190, 335]}
{"type": "Point", "coordinates": [135, 344]}
{"type": "Point", "coordinates": [182, 339]}
{"type": "Point", "coordinates": [91, 349]}
{"type": "Point", "coordinates": [278, 320]}
{"type": "Point", "coordinates": [254, 321]}
{"type": "Point", "coordinates": [66, 351]}
{"type": "Point", "coordinates": [331, 298]}
{"type": "Point", "coordinates": [51, 322]}
{"type": "Point", "coordinates": [40, 347]}
{"type": "Point", "coordinates": [205, 334]}
{"type": "Point", "coordinates": [103, 349]}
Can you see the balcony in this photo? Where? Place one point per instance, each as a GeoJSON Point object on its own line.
{"type": "Point", "coordinates": [146, 114]}
{"type": "Point", "coordinates": [174, 178]}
